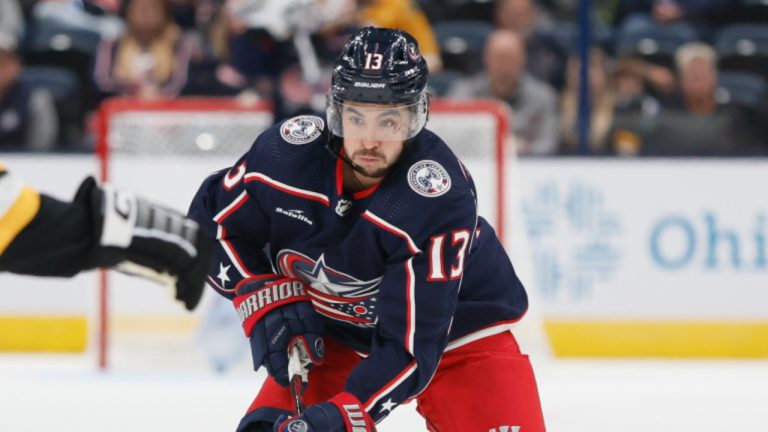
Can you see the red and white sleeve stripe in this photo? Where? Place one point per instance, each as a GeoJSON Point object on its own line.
{"type": "Point", "coordinates": [231, 207]}
{"type": "Point", "coordinates": [221, 233]}
{"type": "Point", "coordinates": [410, 298]}
{"type": "Point", "coordinates": [303, 193]}
{"type": "Point", "coordinates": [221, 236]}
{"type": "Point", "coordinates": [381, 223]}
{"type": "Point", "coordinates": [390, 386]}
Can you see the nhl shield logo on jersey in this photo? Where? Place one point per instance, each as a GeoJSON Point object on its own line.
{"type": "Point", "coordinates": [302, 129]}
{"type": "Point", "coordinates": [429, 178]}
{"type": "Point", "coordinates": [343, 207]}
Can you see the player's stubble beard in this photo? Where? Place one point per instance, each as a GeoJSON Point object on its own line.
{"type": "Point", "coordinates": [363, 175]}
{"type": "Point", "coordinates": [376, 173]}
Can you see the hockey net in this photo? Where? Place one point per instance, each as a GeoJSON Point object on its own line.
{"type": "Point", "coordinates": [164, 149]}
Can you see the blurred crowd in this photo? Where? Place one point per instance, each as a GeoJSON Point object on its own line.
{"type": "Point", "coordinates": [666, 77]}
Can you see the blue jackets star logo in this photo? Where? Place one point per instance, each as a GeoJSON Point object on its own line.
{"type": "Point", "coordinates": [334, 294]}
{"type": "Point", "coordinates": [223, 275]}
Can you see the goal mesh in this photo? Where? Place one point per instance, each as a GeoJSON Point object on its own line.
{"type": "Point", "coordinates": [164, 149]}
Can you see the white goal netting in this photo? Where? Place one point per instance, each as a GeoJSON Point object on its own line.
{"type": "Point", "coordinates": [163, 150]}
{"type": "Point", "coordinates": [175, 138]}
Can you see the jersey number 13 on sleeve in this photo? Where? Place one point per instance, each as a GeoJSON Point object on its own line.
{"type": "Point", "coordinates": [437, 251]}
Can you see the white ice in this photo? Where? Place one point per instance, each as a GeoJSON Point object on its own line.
{"type": "Point", "coordinates": [64, 393]}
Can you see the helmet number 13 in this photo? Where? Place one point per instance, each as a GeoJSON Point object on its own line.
{"type": "Point", "coordinates": [373, 61]}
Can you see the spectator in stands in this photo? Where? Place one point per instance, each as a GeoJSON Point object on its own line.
{"type": "Point", "coordinates": [185, 12]}
{"type": "Point", "coordinates": [601, 99]}
{"type": "Point", "coordinates": [533, 102]}
{"type": "Point", "coordinates": [696, 65]}
{"type": "Point", "coordinates": [635, 110]}
{"type": "Point", "coordinates": [698, 125]}
{"type": "Point", "coordinates": [636, 15]}
{"type": "Point", "coordinates": [72, 14]}
{"type": "Point", "coordinates": [11, 19]}
{"type": "Point", "coordinates": [266, 53]}
{"type": "Point", "coordinates": [28, 119]}
{"type": "Point", "coordinates": [259, 36]}
{"type": "Point", "coordinates": [105, 6]}
{"type": "Point", "coordinates": [661, 80]}
{"type": "Point", "coordinates": [545, 56]}
{"type": "Point", "coordinates": [210, 70]}
{"type": "Point", "coordinates": [150, 60]}
{"type": "Point", "coordinates": [568, 10]}
{"type": "Point", "coordinates": [400, 14]}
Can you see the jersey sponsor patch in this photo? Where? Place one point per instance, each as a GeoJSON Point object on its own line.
{"type": "Point", "coordinates": [302, 129]}
{"type": "Point", "coordinates": [428, 178]}
{"type": "Point", "coordinates": [295, 214]}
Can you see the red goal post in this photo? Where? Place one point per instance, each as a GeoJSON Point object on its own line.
{"type": "Point", "coordinates": [163, 149]}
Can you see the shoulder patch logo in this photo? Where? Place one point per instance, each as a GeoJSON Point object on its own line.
{"type": "Point", "coordinates": [429, 178]}
{"type": "Point", "coordinates": [302, 129]}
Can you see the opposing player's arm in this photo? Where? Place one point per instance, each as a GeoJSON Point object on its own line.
{"type": "Point", "coordinates": [418, 297]}
{"type": "Point", "coordinates": [101, 227]}
{"type": "Point", "coordinates": [18, 206]}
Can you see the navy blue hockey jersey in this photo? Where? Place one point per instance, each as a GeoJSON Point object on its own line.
{"type": "Point", "coordinates": [402, 272]}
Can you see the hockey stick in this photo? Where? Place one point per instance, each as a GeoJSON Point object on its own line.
{"type": "Point", "coordinates": [297, 376]}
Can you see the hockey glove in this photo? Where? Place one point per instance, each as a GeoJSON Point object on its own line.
{"type": "Point", "coordinates": [343, 413]}
{"type": "Point", "coordinates": [141, 238]}
{"type": "Point", "coordinates": [276, 310]}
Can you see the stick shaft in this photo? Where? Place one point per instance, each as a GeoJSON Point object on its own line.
{"type": "Point", "coordinates": [297, 378]}
{"type": "Point", "coordinates": [297, 393]}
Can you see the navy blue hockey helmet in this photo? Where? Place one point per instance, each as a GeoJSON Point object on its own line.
{"type": "Point", "coordinates": [383, 67]}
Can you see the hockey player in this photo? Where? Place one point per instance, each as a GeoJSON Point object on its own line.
{"type": "Point", "coordinates": [376, 248]}
{"type": "Point", "coordinates": [101, 227]}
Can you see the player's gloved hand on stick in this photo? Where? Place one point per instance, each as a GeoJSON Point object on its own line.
{"type": "Point", "coordinates": [145, 239]}
{"type": "Point", "coordinates": [276, 311]}
{"type": "Point", "coordinates": [343, 413]}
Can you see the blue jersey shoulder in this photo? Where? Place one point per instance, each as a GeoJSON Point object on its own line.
{"type": "Point", "coordinates": [434, 170]}
{"type": "Point", "coordinates": [289, 147]}
{"type": "Point", "coordinates": [428, 188]}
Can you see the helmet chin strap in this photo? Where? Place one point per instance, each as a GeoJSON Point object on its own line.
{"type": "Point", "coordinates": [335, 150]}
{"type": "Point", "coordinates": [339, 154]}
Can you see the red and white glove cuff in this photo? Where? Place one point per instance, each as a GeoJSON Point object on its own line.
{"type": "Point", "coordinates": [251, 307]}
{"type": "Point", "coordinates": [355, 417]}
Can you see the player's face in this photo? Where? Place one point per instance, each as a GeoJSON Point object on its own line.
{"type": "Point", "coordinates": [374, 135]}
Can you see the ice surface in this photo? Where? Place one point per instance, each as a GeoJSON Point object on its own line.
{"type": "Point", "coordinates": [64, 393]}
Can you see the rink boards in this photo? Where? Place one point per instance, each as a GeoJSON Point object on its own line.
{"type": "Point", "coordinates": [621, 258]}
{"type": "Point", "coordinates": [649, 257]}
